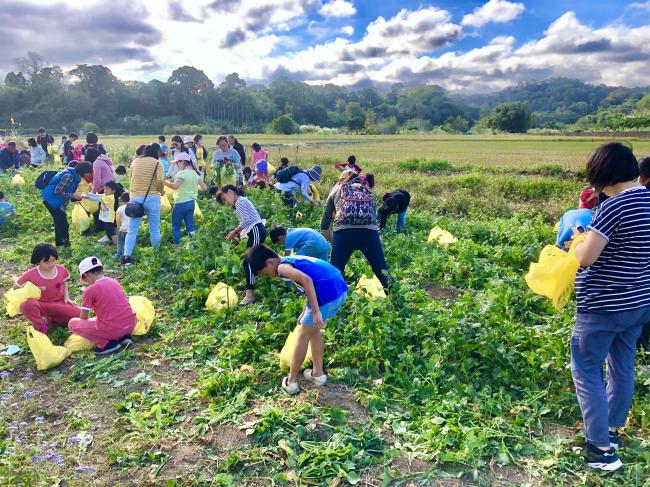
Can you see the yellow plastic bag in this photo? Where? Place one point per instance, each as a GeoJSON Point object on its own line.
{"type": "Point", "coordinates": [80, 219]}
{"type": "Point", "coordinates": [198, 214]}
{"type": "Point", "coordinates": [370, 287]}
{"type": "Point", "coordinates": [18, 181]}
{"type": "Point", "coordinates": [45, 354]}
{"type": "Point", "coordinates": [165, 205]}
{"type": "Point", "coordinates": [270, 168]}
{"type": "Point", "coordinates": [312, 191]}
{"type": "Point", "coordinates": [170, 193]}
{"type": "Point", "coordinates": [144, 312]}
{"type": "Point", "coordinates": [75, 343]}
{"type": "Point", "coordinates": [57, 159]}
{"type": "Point", "coordinates": [221, 297]}
{"type": "Point", "coordinates": [89, 205]}
{"type": "Point", "coordinates": [286, 354]}
{"type": "Point", "coordinates": [16, 297]}
{"type": "Point", "coordinates": [443, 237]}
{"type": "Point", "coordinates": [553, 276]}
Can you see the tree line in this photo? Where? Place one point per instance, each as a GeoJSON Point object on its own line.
{"type": "Point", "coordinates": [90, 97]}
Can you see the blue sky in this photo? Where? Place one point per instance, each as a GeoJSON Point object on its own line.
{"type": "Point", "coordinates": [468, 46]}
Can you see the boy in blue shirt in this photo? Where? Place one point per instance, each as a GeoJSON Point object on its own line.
{"type": "Point", "coordinates": [302, 241]}
{"type": "Point", "coordinates": [6, 209]}
{"type": "Point", "coordinates": [613, 301]}
{"type": "Point", "coordinates": [325, 290]}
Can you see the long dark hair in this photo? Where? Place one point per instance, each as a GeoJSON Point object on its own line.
{"type": "Point", "coordinates": [178, 138]}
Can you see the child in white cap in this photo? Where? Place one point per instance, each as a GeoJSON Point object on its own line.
{"type": "Point", "coordinates": [114, 319]}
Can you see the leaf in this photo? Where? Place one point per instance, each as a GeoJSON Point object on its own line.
{"type": "Point", "coordinates": [352, 477]}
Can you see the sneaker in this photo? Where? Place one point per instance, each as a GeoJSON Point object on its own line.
{"type": "Point", "coordinates": [104, 240]}
{"type": "Point", "coordinates": [607, 461]}
{"type": "Point", "coordinates": [126, 340]}
{"type": "Point", "coordinates": [319, 381]}
{"type": "Point", "coordinates": [111, 347]}
{"type": "Point", "coordinates": [614, 440]}
{"type": "Point", "coordinates": [126, 261]}
{"type": "Point", "coordinates": [291, 389]}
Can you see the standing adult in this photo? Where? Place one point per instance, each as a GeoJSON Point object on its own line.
{"type": "Point", "coordinates": [58, 193]}
{"type": "Point", "coordinates": [351, 207]}
{"type": "Point", "coordinates": [226, 155]}
{"type": "Point", "coordinates": [9, 157]}
{"type": "Point", "coordinates": [235, 144]}
{"type": "Point", "coordinates": [146, 188]}
{"type": "Point", "coordinates": [258, 154]}
{"type": "Point", "coordinates": [200, 153]}
{"type": "Point", "coordinates": [44, 139]}
{"type": "Point", "coordinates": [178, 146]}
{"type": "Point", "coordinates": [92, 142]}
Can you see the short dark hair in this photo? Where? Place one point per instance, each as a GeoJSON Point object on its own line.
{"type": "Point", "coordinates": [610, 164]}
{"type": "Point", "coordinates": [140, 150]}
{"type": "Point", "coordinates": [256, 147]}
{"type": "Point", "coordinates": [197, 137]}
{"type": "Point", "coordinates": [276, 232]}
{"type": "Point", "coordinates": [224, 189]}
{"type": "Point", "coordinates": [113, 185]}
{"type": "Point", "coordinates": [43, 251]}
{"type": "Point", "coordinates": [221, 139]}
{"type": "Point", "coordinates": [64, 137]}
{"type": "Point", "coordinates": [161, 138]}
{"type": "Point", "coordinates": [42, 129]}
{"type": "Point", "coordinates": [2, 195]}
{"type": "Point", "coordinates": [95, 270]}
{"type": "Point", "coordinates": [370, 180]}
{"type": "Point", "coordinates": [125, 197]}
{"type": "Point", "coordinates": [257, 257]}
{"type": "Point", "coordinates": [120, 170]}
{"type": "Point", "coordinates": [91, 138]}
{"type": "Point", "coordinates": [247, 170]}
{"type": "Point", "coordinates": [152, 150]}
{"type": "Point", "coordinates": [92, 154]}
{"type": "Point", "coordinates": [84, 168]}
{"type": "Point", "coordinates": [284, 161]}
{"type": "Point", "coordinates": [31, 142]}
{"type": "Point", "coordinates": [352, 160]}
{"type": "Point", "coordinates": [73, 135]}
{"type": "Point", "coordinates": [11, 143]}
{"type": "Point", "coordinates": [644, 167]}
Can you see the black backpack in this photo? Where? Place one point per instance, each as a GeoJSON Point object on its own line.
{"type": "Point", "coordinates": [285, 175]}
{"type": "Point", "coordinates": [44, 178]}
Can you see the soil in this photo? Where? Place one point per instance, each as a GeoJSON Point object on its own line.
{"type": "Point", "coordinates": [443, 293]}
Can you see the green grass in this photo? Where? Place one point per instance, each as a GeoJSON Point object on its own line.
{"type": "Point", "coordinates": [460, 377]}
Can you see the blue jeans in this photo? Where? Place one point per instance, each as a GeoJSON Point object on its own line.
{"type": "Point", "coordinates": [611, 338]}
{"type": "Point", "coordinates": [182, 212]}
{"type": "Point", "coordinates": [401, 219]}
{"type": "Point", "coordinates": [152, 210]}
{"type": "Point", "coordinates": [328, 311]}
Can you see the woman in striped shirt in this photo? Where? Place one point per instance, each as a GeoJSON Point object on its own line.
{"type": "Point", "coordinates": [250, 224]}
{"type": "Point", "coordinates": [613, 301]}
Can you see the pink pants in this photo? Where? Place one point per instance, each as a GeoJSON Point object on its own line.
{"type": "Point", "coordinates": [99, 332]}
{"type": "Point", "coordinates": [43, 314]}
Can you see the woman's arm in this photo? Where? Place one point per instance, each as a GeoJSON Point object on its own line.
{"type": "Point", "coordinates": [588, 251]}
{"type": "Point", "coordinates": [202, 185]}
{"type": "Point", "coordinates": [160, 179]}
{"type": "Point", "coordinates": [290, 272]}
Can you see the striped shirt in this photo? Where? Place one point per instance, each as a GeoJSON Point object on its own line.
{"type": "Point", "coordinates": [619, 280]}
{"type": "Point", "coordinates": [142, 173]}
{"type": "Point", "coordinates": [247, 214]}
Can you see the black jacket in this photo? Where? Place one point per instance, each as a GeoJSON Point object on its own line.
{"type": "Point", "coordinates": [403, 199]}
{"type": "Point", "coordinates": [240, 150]}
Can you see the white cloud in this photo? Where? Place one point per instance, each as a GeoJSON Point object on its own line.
{"type": "Point", "coordinates": [499, 11]}
{"type": "Point", "coordinates": [338, 8]}
{"type": "Point", "coordinates": [348, 30]}
{"type": "Point", "coordinates": [640, 5]}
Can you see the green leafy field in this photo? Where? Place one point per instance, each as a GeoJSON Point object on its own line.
{"type": "Point", "coordinates": [460, 378]}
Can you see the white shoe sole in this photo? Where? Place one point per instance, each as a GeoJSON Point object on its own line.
{"type": "Point", "coordinates": [319, 382]}
{"type": "Point", "coordinates": [606, 467]}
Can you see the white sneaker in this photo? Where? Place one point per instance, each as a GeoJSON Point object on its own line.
{"type": "Point", "coordinates": [104, 240]}
{"type": "Point", "coordinates": [319, 381]}
{"type": "Point", "coordinates": [291, 389]}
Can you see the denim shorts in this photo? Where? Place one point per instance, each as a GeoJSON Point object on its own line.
{"type": "Point", "coordinates": [328, 310]}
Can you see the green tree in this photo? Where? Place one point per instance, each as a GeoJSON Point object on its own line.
{"type": "Point", "coordinates": [284, 125]}
{"type": "Point", "coordinates": [511, 117]}
{"type": "Point", "coordinates": [355, 118]}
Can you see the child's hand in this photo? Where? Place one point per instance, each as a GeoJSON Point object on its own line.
{"type": "Point", "coordinates": [232, 236]}
{"type": "Point", "coordinates": [318, 320]}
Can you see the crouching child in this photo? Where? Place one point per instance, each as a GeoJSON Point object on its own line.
{"type": "Point", "coordinates": [114, 319]}
{"type": "Point", "coordinates": [325, 290]}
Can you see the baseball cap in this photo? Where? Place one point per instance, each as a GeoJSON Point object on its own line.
{"type": "Point", "coordinates": [88, 264]}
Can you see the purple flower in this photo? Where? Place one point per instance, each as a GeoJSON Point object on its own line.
{"type": "Point", "coordinates": [5, 373]}
{"type": "Point", "coordinates": [84, 468]}
{"type": "Point", "coordinates": [27, 394]}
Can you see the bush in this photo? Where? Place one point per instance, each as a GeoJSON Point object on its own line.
{"type": "Point", "coordinates": [283, 125]}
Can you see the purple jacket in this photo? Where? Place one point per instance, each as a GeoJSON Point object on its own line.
{"type": "Point", "coordinates": [102, 173]}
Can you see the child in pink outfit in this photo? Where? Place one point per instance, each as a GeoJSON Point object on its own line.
{"type": "Point", "coordinates": [114, 319]}
{"type": "Point", "coordinates": [54, 305]}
